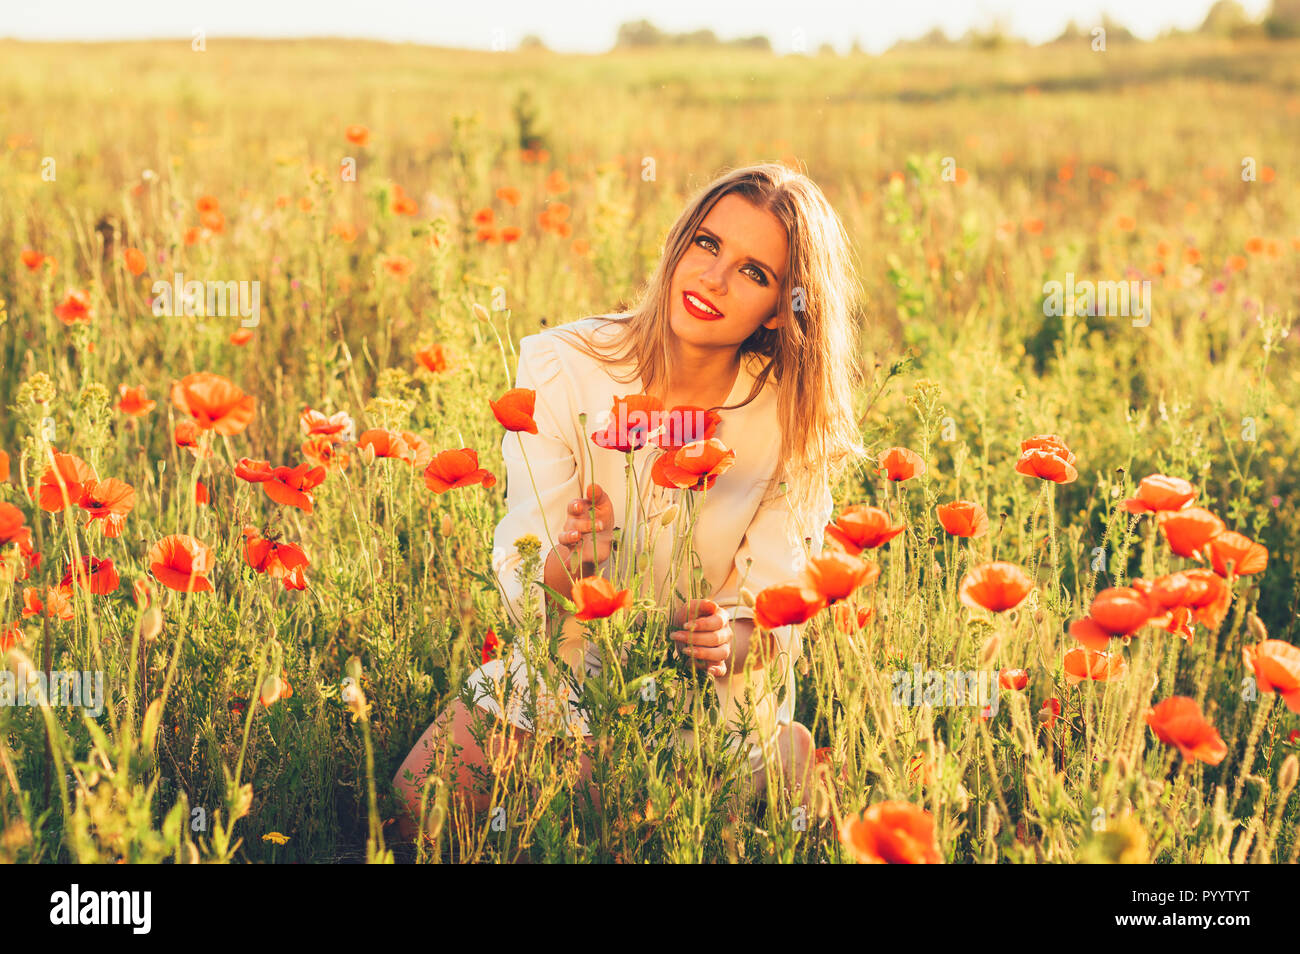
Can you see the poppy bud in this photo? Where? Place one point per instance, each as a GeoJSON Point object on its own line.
{"type": "Point", "coordinates": [367, 453]}
{"type": "Point", "coordinates": [1256, 626]}
{"type": "Point", "coordinates": [642, 562]}
{"type": "Point", "coordinates": [1286, 777]}
{"type": "Point", "coordinates": [480, 312]}
{"type": "Point", "coordinates": [747, 596]}
{"type": "Point", "coordinates": [990, 650]}
{"type": "Point", "coordinates": [444, 526]}
{"type": "Point", "coordinates": [151, 624]}
{"type": "Point", "coordinates": [668, 516]}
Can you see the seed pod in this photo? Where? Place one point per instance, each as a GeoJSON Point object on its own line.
{"type": "Point", "coordinates": [151, 622]}
{"type": "Point", "coordinates": [1256, 627]}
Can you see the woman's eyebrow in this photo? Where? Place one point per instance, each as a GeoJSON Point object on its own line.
{"type": "Point", "coordinates": [748, 258]}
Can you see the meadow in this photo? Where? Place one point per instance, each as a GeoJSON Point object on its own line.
{"type": "Point", "coordinates": [410, 213]}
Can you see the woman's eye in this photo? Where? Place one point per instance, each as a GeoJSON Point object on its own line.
{"type": "Point", "coordinates": [757, 273]}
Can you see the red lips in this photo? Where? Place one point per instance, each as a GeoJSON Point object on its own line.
{"type": "Point", "coordinates": [698, 313]}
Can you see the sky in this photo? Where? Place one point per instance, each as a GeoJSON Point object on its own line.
{"type": "Point", "coordinates": [583, 26]}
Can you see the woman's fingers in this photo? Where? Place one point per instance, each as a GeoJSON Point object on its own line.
{"type": "Point", "coordinates": [707, 654]}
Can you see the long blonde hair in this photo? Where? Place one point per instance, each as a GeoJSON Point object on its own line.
{"type": "Point", "coordinates": [811, 356]}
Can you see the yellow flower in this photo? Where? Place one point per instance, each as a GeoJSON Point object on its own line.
{"type": "Point", "coordinates": [275, 837]}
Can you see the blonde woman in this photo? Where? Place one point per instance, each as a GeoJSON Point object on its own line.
{"type": "Point", "coordinates": [750, 316]}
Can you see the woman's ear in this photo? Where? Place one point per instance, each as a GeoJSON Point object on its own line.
{"type": "Point", "coordinates": [776, 321]}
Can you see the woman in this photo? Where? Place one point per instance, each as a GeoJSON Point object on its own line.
{"type": "Point", "coordinates": [748, 326]}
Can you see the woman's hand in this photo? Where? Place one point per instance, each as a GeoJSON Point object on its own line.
{"type": "Point", "coordinates": [704, 634]}
{"type": "Point", "coordinates": [594, 543]}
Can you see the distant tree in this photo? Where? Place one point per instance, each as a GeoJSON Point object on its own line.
{"type": "Point", "coordinates": [1226, 18]}
{"type": "Point", "coordinates": [695, 38]}
{"type": "Point", "coordinates": [639, 33]}
{"type": "Point", "coordinates": [753, 43]}
{"type": "Point", "coordinates": [855, 48]}
{"type": "Point", "coordinates": [1283, 19]}
{"type": "Point", "coordinates": [826, 49]}
{"type": "Point", "coordinates": [1072, 33]}
{"type": "Point", "coordinates": [1116, 32]}
{"type": "Point", "coordinates": [532, 42]}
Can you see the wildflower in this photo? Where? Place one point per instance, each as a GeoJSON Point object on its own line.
{"type": "Point", "coordinates": [134, 401]}
{"type": "Point", "coordinates": [514, 411]}
{"type": "Point", "coordinates": [862, 528]}
{"type": "Point", "coordinates": [56, 604]}
{"type": "Point", "coordinates": [97, 576]}
{"type": "Point", "coordinates": [75, 307]}
{"type": "Point", "coordinates": [995, 586]}
{"type": "Point", "coordinates": [899, 463]}
{"type": "Point", "coordinates": [891, 833]}
{"type": "Point", "coordinates": [1188, 530]}
{"type": "Point", "coordinates": [63, 483]}
{"type": "Point", "coordinates": [434, 358]}
{"type": "Point", "coordinates": [108, 501]}
{"type": "Point", "coordinates": [180, 562]}
{"type": "Point", "coordinates": [787, 604]}
{"type": "Point", "coordinates": [290, 486]}
{"type": "Point", "coordinates": [836, 575]}
{"type": "Point", "coordinates": [963, 518]}
{"type": "Point", "coordinates": [1081, 663]}
{"type": "Point", "coordinates": [273, 689]}
{"type": "Point", "coordinates": [357, 134]}
{"type": "Point", "coordinates": [1276, 665]}
{"type": "Point", "coordinates": [186, 435]}
{"type": "Point", "coordinates": [270, 556]}
{"type": "Point", "coordinates": [1014, 679]}
{"type": "Point", "coordinates": [456, 468]}
{"type": "Point", "coordinates": [1117, 611]}
{"type": "Point", "coordinates": [695, 466]}
{"type": "Point", "coordinates": [631, 419]}
{"type": "Point", "coordinates": [135, 261]}
{"type": "Point", "coordinates": [399, 445]}
{"type": "Point", "coordinates": [1177, 721]}
{"type": "Point", "coordinates": [596, 598]}
{"type": "Point", "coordinates": [1158, 493]}
{"type": "Point", "coordinates": [214, 402]}
{"type": "Point", "coordinates": [491, 646]}
{"type": "Point", "coordinates": [274, 837]}
{"type": "Point", "coordinates": [1247, 556]}
{"type": "Point", "coordinates": [334, 427]}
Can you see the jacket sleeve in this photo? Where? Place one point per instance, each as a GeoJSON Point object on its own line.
{"type": "Point", "coordinates": [778, 542]}
{"type": "Point", "coordinates": [554, 468]}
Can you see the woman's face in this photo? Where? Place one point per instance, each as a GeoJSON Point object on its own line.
{"type": "Point", "coordinates": [734, 266]}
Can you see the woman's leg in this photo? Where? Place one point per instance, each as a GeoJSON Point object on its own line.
{"type": "Point", "coordinates": [794, 757]}
{"type": "Point", "coordinates": [464, 769]}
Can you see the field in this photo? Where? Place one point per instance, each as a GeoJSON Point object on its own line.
{"type": "Point", "coordinates": [262, 719]}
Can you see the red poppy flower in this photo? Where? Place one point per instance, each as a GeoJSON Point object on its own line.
{"type": "Point", "coordinates": [357, 134]}
{"type": "Point", "coordinates": [335, 427]}
{"type": "Point", "coordinates": [836, 575]}
{"type": "Point", "coordinates": [1188, 530]}
{"type": "Point", "coordinates": [896, 833]}
{"type": "Point", "coordinates": [97, 576]}
{"type": "Point", "coordinates": [214, 402]}
{"type": "Point", "coordinates": [1177, 721]}
{"type": "Point", "coordinates": [1245, 555]}
{"type": "Point", "coordinates": [862, 528]}
{"type": "Point", "coordinates": [1158, 493]}
{"type": "Point", "coordinates": [134, 401]}
{"type": "Point", "coordinates": [4, 467]}
{"type": "Point", "coordinates": [514, 411]}
{"type": "Point", "coordinates": [963, 518]}
{"type": "Point", "coordinates": [9, 635]}
{"type": "Point", "coordinates": [398, 445]}
{"type": "Point", "coordinates": [200, 493]}
{"type": "Point", "coordinates": [1046, 465]}
{"type": "Point", "coordinates": [1081, 664]}
{"type": "Point", "coordinates": [1049, 711]}
{"type": "Point", "coordinates": [187, 435]}
{"type": "Point", "coordinates": [1201, 591]}
{"type": "Point", "coordinates": [12, 529]}
{"type": "Point", "coordinates": [1048, 442]}
{"type": "Point", "coordinates": [695, 466]}
{"type": "Point", "coordinates": [850, 621]}
{"type": "Point", "coordinates": [135, 261]}
{"type": "Point", "coordinates": [270, 556]}
{"type": "Point", "coordinates": [323, 452]}
{"type": "Point", "coordinates": [241, 336]}
{"type": "Point", "coordinates": [56, 605]}
{"type": "Point", "coordinates": [456, 468]}
{"type": "Point", "coordinates": [290, 486]}
{"type": "Point", "coordinates": [995, 586]}
{"type": "Point", "coordinates": [1117, 611]}
{"type": "Point", "coordinates": [295, 579]}
{"type": "Point", "coordinates": [787, 604]}
{"type": "Point", "coordinates": [180, 562]}
{"type": "Point", "coordinates": [63, 482]}
{"type": "Point", "coordinates": [434, 358]}
{"type": "Point", "coordinates": [1014, 679]}
{"type": "Point", "coordinates": [632, 419]}
{"type": "Point", "coordinates": [75, 307]}
{"type": "Point", "coordinates": [596, 598]}
{"type": "Point", "coordinates": [1276, 665]}
{"type": "Point", "coordinates": [491, 646]}
{"type": "Point", "coordinates": [899, 463]}
{"type": "Point", "coordinates": [109, 501]}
